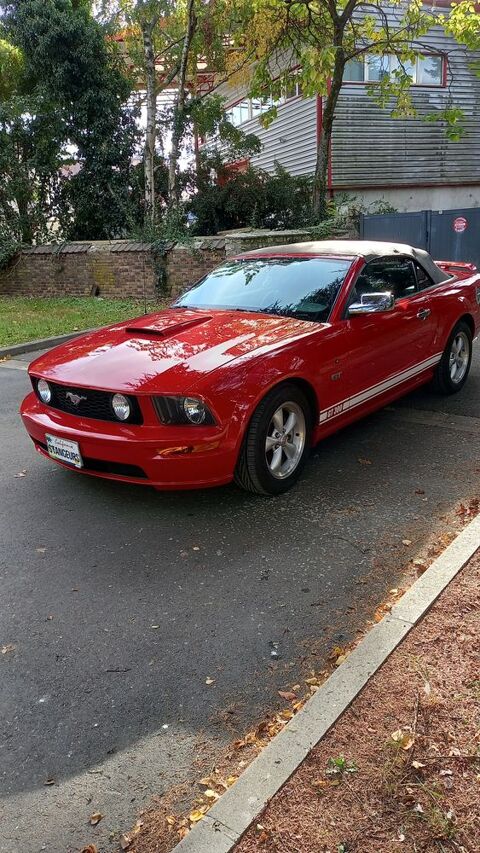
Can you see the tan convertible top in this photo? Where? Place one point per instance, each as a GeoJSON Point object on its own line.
{"type": "Point", "coordinates": [368, 249]}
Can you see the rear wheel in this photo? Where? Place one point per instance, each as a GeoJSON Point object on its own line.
{"type": "Point", "coordinates": [276, 443]}
{"type": "Point", "coordinates": [454, 366]}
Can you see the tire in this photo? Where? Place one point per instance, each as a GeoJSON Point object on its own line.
{"type": "Point", "coordinates": [271, 459]}
{"type": "Point", "coordinates": [454, 366]}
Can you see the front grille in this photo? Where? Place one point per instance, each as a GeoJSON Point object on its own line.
{"type": "Point", "coordinates": [92, 404]}
{"type": "Point", "coordinates": [102, 466]}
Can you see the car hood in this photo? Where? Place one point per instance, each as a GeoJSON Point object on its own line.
{"type": "Point", "coordinates": [167, 351]}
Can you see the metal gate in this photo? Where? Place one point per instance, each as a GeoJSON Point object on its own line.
{"type": "Point", "coordinates": [448, 235]}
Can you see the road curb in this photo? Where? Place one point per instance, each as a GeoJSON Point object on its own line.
{"type": "Point", "coordinates": [226, 822]}
{"type": "Point", "coordinates": [42, 343]}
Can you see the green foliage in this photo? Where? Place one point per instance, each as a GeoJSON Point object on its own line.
{"type": "Point", "coordinates": [67, 102]}
{"type": "Point", "coordinates": [172, 228]}
{"type": "Point", "coordinates": [453, 120]}
{"type": "Point", "coordinates": [11, 68]}
{"type": "Point", "coordinates": [339, 765]}
{"type": "Point", "coordinates": [463, 23]}
{"type": "Point", "coordinates": [252, 198]}
{"type": "Point", "coordinates": [9, 247]}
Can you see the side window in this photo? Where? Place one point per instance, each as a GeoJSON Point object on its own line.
{"type": "Point", "coordinates": [396, 276]}
{"type": "Point", "coordinates": [423, 278]}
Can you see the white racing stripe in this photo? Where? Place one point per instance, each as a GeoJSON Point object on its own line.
{"type": "Point", "coordinates": [380, 388]}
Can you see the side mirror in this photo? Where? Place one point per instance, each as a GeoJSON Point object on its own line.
{"type": "Point", "coordinates": [372, 303]}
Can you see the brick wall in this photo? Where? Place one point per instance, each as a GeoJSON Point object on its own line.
{"type": "Point", "coordinates": [124, 269]}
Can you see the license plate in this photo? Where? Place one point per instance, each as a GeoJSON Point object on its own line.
{"type": "Point", "coordinates": [64, 450]}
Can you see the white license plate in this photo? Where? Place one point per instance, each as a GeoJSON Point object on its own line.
{"type": "Point", "coordinates": [64, 450]}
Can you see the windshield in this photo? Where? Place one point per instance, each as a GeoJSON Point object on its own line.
{"type": "Point", "coordinates": [304, 288]}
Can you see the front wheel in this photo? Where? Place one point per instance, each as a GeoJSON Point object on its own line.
{"type": "Point", "coordinates": [276, 443]}
{"type": "Point", "coordinates": [454, 366]}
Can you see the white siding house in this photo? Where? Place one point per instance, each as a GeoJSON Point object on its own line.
{"type": "Point", "coordinates": [408, 162]}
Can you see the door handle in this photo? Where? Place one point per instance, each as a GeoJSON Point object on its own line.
{"type": "Point", "coordinates": [424, 313]}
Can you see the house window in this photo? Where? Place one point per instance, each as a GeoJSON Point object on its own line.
{"type": "Point", "coordinates": [253, 107]}
{"type": "Point", "coordinates": [239, 113]}
{"type": "Point", "coordinates": [425, 70]}
{"type": "Point", "coordinates": [429, 70]}
{"type": "Point", "coordinates": [377, 67]}
{"type": "Point", "coordinates": [355, 71]}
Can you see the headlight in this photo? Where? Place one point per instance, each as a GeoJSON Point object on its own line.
{"type": "Point", "coordinates": [44, 391]}
{"type": "Point", "coordinates": [183, 410]}
{"type": "Point", "coordinates": [121, 407]}
{"type": "Point", "coordinates": [195, 410]}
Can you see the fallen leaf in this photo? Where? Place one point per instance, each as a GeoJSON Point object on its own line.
{"type": "Point", "coordinates": [340, 660]}
{"type": "Point", "coordinates": [403, 737]}
{"type": "Point", "coordinates": [182, 832]}
{"type": "Point", "coordinates": [336, 652]}
{"type": "Point", "coordinates": [128, 837]}
{"type": "Point", "coordinates": [419, 491]}
{"type": "Point", "coordinates": [320, 783]}
{"type": "Point", "coordinates": [95, 818]}
{"type": "Point", "coordinates": [363, 461]}
{"type": "Point", "coordinates": [8, 648]}
{"type": "Point", "coordinates": [195, 816]}
{"type": "Point", "coordinates": [287, 694]}
{"type": "Point", "coordinates": [171, 819]}
{"type": "Point", "coordinates": [90, 848]}
{"type": "Point", "coordinates": [406, 541]}
{"type": "Point", "coordinates": [287, 714]}
{"type": "Point", "coordinates": [210, 794]}
{"type": "Point", "coordinates": [209, 680]}
{"type": "Point", "coordinates": [313, 682]}
{"type": "Point", "coordinates": [417, 765]}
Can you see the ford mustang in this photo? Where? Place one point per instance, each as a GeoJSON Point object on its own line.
{"type": "Point", "coordinates": [254, 364]}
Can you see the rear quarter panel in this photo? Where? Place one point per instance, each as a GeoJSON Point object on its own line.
{"type": "Point", "coordinates": [452, 300]}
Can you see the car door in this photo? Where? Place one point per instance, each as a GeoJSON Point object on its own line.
{"type": "Point", "coordinates": [389, 347]}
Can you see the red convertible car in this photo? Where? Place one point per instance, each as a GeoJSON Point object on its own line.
{"type": "Point", "coordinates": [254, 364]}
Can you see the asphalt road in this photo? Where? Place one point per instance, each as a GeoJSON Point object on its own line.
{"type": "Point", "coordinates": [121, 601]}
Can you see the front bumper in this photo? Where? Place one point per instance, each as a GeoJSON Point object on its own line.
{"type": "Point", "coordinates": [166, 457]}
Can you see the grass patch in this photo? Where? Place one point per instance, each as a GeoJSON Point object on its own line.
{"type": "Point", "coordinates": [26, 319]}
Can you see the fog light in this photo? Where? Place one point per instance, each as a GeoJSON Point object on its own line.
{"type": "Point", "coordinates": [194, 410]}
{"type": "Point", "coordinates": [44, 391]}
{"type": "Point", "coordinates": [121, 407]}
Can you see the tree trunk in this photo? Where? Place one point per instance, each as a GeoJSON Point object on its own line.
{"type": "Point", "coordinates": [320, 183]}
{"type": "Point", "coordinates": [178, 124]}
{"type": "Point", "coordinates": [150, 132]}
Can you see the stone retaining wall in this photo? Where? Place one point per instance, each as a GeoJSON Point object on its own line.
{"type": "Point", "coordinates": [125, 269]}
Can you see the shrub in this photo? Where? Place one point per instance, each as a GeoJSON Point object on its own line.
{"type": "Point", "coordinates": [252, 198]}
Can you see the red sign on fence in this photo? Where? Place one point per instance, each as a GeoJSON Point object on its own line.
{"type": "Point", "coordinates": [460, 224]}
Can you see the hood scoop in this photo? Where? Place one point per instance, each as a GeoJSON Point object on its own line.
{"type": "Point", "coordinates": [165, 328]}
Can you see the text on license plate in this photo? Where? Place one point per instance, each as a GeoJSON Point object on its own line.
{"type": "Point", "coordinates": [64, 450]}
